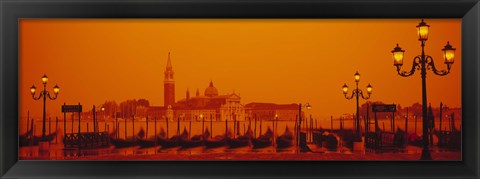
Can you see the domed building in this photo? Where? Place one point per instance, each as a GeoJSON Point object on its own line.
{"type": "Point", "coordinates": [212, 106]}
{"type": "Point", "coordinates": [211, 91]}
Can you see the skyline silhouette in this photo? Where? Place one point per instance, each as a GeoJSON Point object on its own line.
{"type": "Point", "coordinates": [279, 61]}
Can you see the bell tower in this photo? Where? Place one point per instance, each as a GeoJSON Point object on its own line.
{"type": "Point", "coordinates": [168, 85]}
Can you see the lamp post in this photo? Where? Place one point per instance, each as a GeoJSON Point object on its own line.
{"type": "Point", "coordinates": [299, 124]}
{"type": "Point", "coordinates": [357, 93]}
{"type": "Point", "coordinates": [423, 62]}
{"type": "Point", "coordinates": [105, 122]}
{"type": "Point", "coordinates": [43, 95]}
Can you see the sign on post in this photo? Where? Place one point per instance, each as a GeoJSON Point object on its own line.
{"type": "Point", "coordinates": [72, 108]}
{"type": "Point", "coordinates": [384, 108]}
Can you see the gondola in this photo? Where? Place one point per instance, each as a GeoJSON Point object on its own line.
{"type": "Point", "coordinates": [264, 140]}
{"type": "Point", "coordinates": [399, 138]}
{"type": "Point", "coordinates": [30, 140]}
{"type": "Point", "coordinates": [415, 140]}
{"type": "Point", "coordinates": [347, 136]}
{"type": "Point", "coordinates": [145, 143]}
{"type": "Point", "coordinates": [330, 142]}
{"type": "Point", "coordinates": [318, 138]}
{"type": "Point", "coordinates": [285, 140]}
{"type": "Point", "coordinates": [449, 139]}
{"type": "Point", "coordinates": [185, 142]}
{"type": "Point", "coordinates": [25, 139]}
{"type": "Point", "coordinates": [168, 143]}
{"type": "Point", "coordinates": [165, 142]}
{"type": "Point", "coordinates": [122, 143]}
{"type": "Point", "coordinates": [129, 142]}
{"type": "Point", "coordinates": [217, 141]}
{"type": "Point", "coordinates": [240, 141]}
{"type": "Point", "coordinates": [195, 141]}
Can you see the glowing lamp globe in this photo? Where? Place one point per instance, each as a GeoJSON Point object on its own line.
{"type": "Point", "coordinates": [422, 30]}
{"type": "Point", "coordinates": [357, 76]}
{"type": "Point", "coordinates": [56, 89]}
{"type": "Point", "coordinates": [345, 88]}
{"type": "Point", "coordinates": [44, 79]}
{"type": "Point", "coordinates": [308, 106]}
{"type": "Point", "coordinates": [33, 89]}
{"type": "Point", "coordinates": [448, 53]}
{"type": "Point", "coordinates": [398, 56]}
{"type": "Point", "coordinates": [369, 89]}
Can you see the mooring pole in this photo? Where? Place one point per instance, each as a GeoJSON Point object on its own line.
{"type": "Point", "coordinates": [393, 121]}
{"type": "Point", "coordinates": [56, 127]}
{"type": "Point", "coordinates": [146, 131]}
{"type": "Point", "coordinates": [452, 116]}
{"type": "Point", "coordinates": [255, 129]}
{"type": "Point", "coordinates": [133, 127]}
{"type": "Point", "coordinates": [33, 132]}
{"type": "Point", "coordinates": [64, 127]}
{"type": "Point", "coordinates": [166, 120]}
{"type": "Point", "coordinates": [415, 124]}
{"type": "Point", "coordinates": [406, 128]}
{"type": "Point", "coordinates": [72, 115]}
{"type": "Point", "coordinates": [28, 122]}
{"type": "Point", "coordinates": [79, 121]}
{"type": "Point", "coordinates": [367, 119]}
{"type": "Point", "coordinates": [211, 126]}
{"type": "Point", "coordinates": [178, 126]}
{"type": "Point", "coordinates": [49, 125]}
{"type": "Point", "coordinates": [94, 114]}
{"type": "Point", "coordinates": [376, 123]}
{"type": "Point", "coordinates": [155, 129]}
{"type": "Point", "coordinates": [260, 134]}
{"type": "Point", "coordinates": [125, 131]}
{"type": "Point", "coordinates": [331, 124]}
{"type": "Point", "coordinates": [117, 130]}
{"type": "Point", "coordinates": [440, 125]}
{"type": "Point", "coordinates": [234, 126]}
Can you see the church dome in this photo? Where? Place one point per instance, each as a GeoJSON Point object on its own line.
{"type": "Point", "coordinates": [211, 91]}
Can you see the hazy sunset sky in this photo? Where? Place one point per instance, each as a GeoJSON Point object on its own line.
{"type": "Point", "coordinates": [264, 60]}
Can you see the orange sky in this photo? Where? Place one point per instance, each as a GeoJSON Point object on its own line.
{"type": "Point", "coordinates": [280, 61]}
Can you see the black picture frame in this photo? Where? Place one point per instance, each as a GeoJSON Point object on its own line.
{"type": "Point", "coordinates": [12, 10]}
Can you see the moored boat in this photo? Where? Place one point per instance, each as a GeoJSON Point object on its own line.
{"type": "Point", "coordinates": [143, 142]}
{"type": "Point", "coordinates": [186, 142]}
{"type": "Point", "coordinates": [217, 141]}
{"type": "Point", "coordinates": [240, 141]}
{"type": "Point", "coordinates": [285, 140]}
{"type": "Point", "coordinates": [123, 143]}
{"type": "Point", "coordinates": [264, 140]}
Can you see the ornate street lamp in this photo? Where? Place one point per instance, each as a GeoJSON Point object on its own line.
{"type": "Point", "coordinates": [43, 95]}
{"type": "Point", "coordinates": [105, 121]}
{"type": "Point", "coordinates": [423, 62]}
{"type": "Point", "coordinates": [357, 93]}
